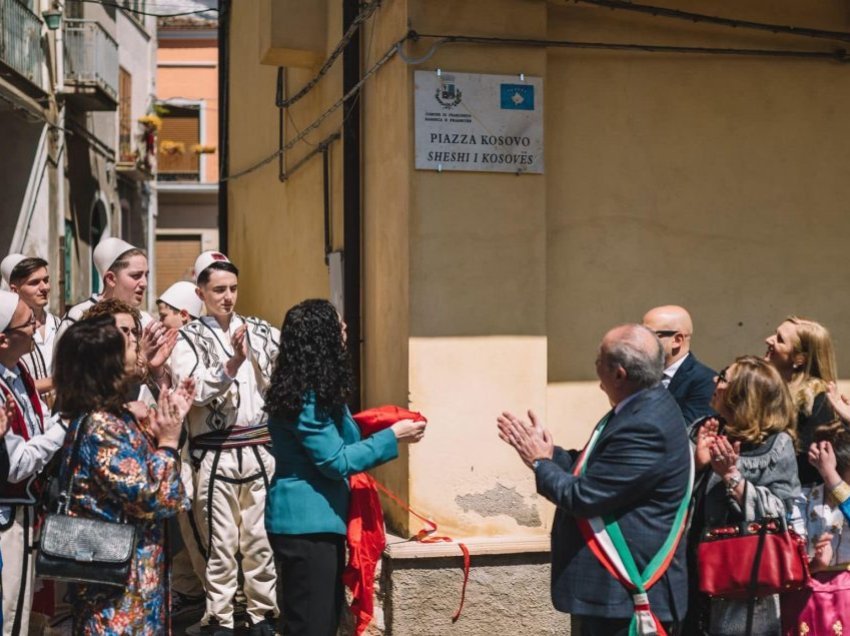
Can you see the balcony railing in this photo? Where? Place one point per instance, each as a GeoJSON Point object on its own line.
{"type": "Point", "coordinates": [91, 64]}
{"type": "Point", "coordinates": [20, 41]}
{"type": "Point", "coordinates": [185, 166]}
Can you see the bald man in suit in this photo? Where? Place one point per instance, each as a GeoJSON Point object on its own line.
{"type": "Point", "coordinates": [689, 381]}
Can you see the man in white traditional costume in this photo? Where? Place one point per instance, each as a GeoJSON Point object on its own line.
{"type": "Point", "coordinates": [32, 440]}
{"type": "Point", "coordinates": [231, 359]}
{"type": "Point", "coordinates": [30, 279]}
{"type": "Point", "coordinates": [124, 269]}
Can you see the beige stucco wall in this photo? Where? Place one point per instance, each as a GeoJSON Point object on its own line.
{"type": "Point", "coordinates": [276, 231]}
{"type": "Point", "coordinates": [715, 182]}
{"type": "Point", "coordinates": [386, 225]}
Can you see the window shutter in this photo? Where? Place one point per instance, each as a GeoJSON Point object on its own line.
{"type": "Point", "coordinates": [184, 129]}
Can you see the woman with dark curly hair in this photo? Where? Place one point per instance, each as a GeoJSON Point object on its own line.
{"type": "Point", "coordinates": [317, 446]}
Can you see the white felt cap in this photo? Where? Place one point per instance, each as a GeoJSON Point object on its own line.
{"type": "Point", "coordinates": [181, 295]}
{"type": "Point", "coordinates": [8, 264]}
{"type": "Point", "coordinates": [8, 305]}
{"type": "Point", "coordinates": [108, 251]}
{"type": "Point", "coordinates": [208, 258]}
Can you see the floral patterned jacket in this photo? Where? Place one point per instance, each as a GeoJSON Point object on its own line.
{"type": "Point", "coordinates": [121, 475]}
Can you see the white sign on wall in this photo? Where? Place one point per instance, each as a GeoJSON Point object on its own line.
{"type": "Point", "coordinates": [476, 122]}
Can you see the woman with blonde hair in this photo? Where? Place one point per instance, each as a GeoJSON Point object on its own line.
{"type": "Point", "coordinates": [747, 463]}
{"type": "Point", "coordinates": [801, 350]}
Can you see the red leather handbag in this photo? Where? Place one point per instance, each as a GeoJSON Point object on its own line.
{"type": "Point", "coordinates": [755, 559]}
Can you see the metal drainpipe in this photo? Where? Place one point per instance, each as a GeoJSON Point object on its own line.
{"type": "Point", "coordinates": [61, 147]}
{"type": "Point", "coordinates": [223, 117]}
{"type": "Point", "coordinates": [351, 196]}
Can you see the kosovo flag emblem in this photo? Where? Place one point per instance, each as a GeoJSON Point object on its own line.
{"type": "Point", "coordinates": [517, 97]}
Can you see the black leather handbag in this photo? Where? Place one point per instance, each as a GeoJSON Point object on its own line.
{"type": "Point", "coordinates": [82, 549]}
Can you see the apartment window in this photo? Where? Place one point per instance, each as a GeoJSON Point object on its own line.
{"type": "Point", "coordinates": [125, 117]}
{"type": "Point", "coordinates": [179, 139]}
{"type": "Point", "coordinates": [133, 9]}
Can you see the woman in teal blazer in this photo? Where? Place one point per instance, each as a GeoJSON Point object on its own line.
{"type": "Point", "coordinates": [317, 446]}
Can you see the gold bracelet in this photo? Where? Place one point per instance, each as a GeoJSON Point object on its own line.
{"type": "Point", "coordinates": [841, 492]}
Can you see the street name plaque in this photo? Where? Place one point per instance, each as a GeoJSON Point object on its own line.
{"type": "Point", "coordinates": [477, 122]}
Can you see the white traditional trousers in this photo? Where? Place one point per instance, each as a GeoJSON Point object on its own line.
{"type": "Point", "coordinates": [230, 504]}
{"type": "Point", "coordinates": [188, 564]}
{"type": "Point", "coordinates": [16, 548]}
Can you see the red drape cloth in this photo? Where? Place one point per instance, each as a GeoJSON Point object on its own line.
{"type": "Point", "coordinates": [366, 536]}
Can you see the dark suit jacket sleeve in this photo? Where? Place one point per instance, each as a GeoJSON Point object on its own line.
{"type": "Point", "coordinates": [693, 386]}
{"type": "Point", "coordinates": [630, 464]}
{"type": "Point", "coordinates": [564, 458]}
{"type": "Point", "coordinates": [697, 403]}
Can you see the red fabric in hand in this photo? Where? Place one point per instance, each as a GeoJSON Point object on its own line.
{"type": "Point", "coordinates": [371, 421]}
{"type": "Point", "coordinates": [366, 536]}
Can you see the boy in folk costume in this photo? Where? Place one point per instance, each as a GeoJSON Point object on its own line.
{"type": "Point", "coordinates": [231, 359]}
{"type": "Point", "coordinates": [177, 307]}
{"type": "Point", "coordinates": [30, 279]}
{"type": "Point", "coordinates": [32, 440]}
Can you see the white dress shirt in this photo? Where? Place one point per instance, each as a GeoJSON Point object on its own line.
{"type": "Point", "coordinates": [670, 371]}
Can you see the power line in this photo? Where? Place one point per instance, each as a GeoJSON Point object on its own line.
{"type": "Point", "coordinates": [117, 5]}
{"type": "Point", "coordinates": [321, 118]}
{"type": "Point", "coordinates": [839, 55]}
{"type": "Point", "coordinates": [730, 22]}
{"type": "Point", "coordinates": [364, 15]}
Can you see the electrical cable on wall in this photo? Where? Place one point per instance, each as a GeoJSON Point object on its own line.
{"type": "Point", "coordinates": [710, 19]}
{"type": "Point", "coordinates": [31, 116]}
{"type": "Point", "coordinates": [839, 55]}
{"type": "Point", "coordinates": [364, 15]}
{"type": "Point", "coordinates": [391, 51]}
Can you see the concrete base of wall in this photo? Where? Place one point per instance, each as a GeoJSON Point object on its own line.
{"type": "Point", "coordinates": [507, 592]}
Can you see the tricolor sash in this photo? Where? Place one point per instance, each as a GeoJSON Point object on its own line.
{"type": "Point", "coordinates": [606, 541]}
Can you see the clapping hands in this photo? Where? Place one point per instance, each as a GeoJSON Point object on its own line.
{"type": "Point", "coordinates": [724, 455]}
{"type": "Point", "coordinates": [840, 404]}
{"type": "Point", "coordinates": [166, 421]}
{"type": "Point", "coordinates": [822, 457]}
{"type": "Point", "coordinates": [823, 552]}
{"type": "Point", "coordinates": [156, 344]}
{"type": "Point", "coordinates": [239, 342]}
{"type": "Point", "coordinates": [531, 441]}
{"type": "Point", "coordinates": [705, 438]}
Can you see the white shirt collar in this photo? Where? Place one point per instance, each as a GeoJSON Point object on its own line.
{"type": "Point", "coordinates": [622, 403]}
{"type": "Point", "coordinates": [670, 371]}
{"type": "Point", "coordinates": [50, 325]}
{"type": "Point", "coordinates": [9, 374]}
{"type": "Point", "coordinates": [212, 323]}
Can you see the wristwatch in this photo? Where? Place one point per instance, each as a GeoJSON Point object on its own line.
{"type": "Point", "coordinates": [733, 482]}
{"type": "Point", "coordinates": [535, 464]}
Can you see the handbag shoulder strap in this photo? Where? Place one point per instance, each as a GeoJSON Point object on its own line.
{"type": "Point", "coordinates": [70, 462]}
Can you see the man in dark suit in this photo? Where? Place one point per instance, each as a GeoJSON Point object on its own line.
{"type": "Point", "coordinates": [688, 379]}
{"type": "Point", "coordinates": [636, 470]}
